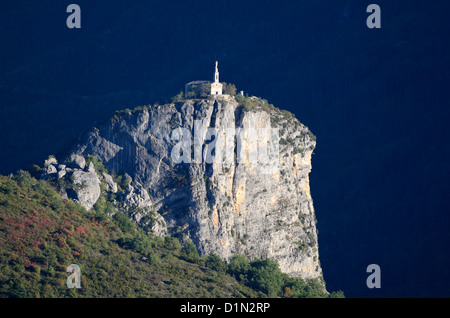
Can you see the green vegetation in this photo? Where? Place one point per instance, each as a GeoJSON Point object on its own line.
{"type": "Point", "coordinates": [266, 277]}
{"type": "Point", "coordinates": [229, 89]}
{"type": "Point", "coordinates": [121, 112]}
{"type": "Point", "coordinates": [254, 103]}
{"type": "Point", "coordinates": [98, 165]}
{"type": "Point", "coordinates": [178, 98]}
{"type": "Point", "coordinates": [41, 234]}
{"type": "Point", "coordinates": [200, 90]}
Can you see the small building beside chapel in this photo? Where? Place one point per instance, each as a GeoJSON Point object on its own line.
{"type": "Point", "coordinates": [197, 89]}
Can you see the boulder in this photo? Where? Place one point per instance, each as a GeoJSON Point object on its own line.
{"type": "Point", "coordinates": [85, 188]}
{"type": "Point", "coordinates": [159, 226]}
{"type": "Point", "coordinates": [50, 161]}
{"type": "Point", "coordinates": [91, 167]}
{"type": "Point", "coordinates": [78, 162]}
{"type": "Point", "coordinates": [137, 196]}
{"type": "Point", "coordinates": [61, 173]}
{"type": "Point", "coordinates": [111, 186]}
{"type": "Point", "coordinates": [48, 171]}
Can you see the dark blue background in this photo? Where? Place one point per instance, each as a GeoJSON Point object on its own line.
{"type": "Point", "coordinates": [376, 99]}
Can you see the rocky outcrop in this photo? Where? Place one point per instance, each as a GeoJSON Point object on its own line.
{"type": "Point", "coordinates": [229, 206]}
{"type": "Point", "coordinates": [50, 161]}
{"type": "Point", "coordinates": [137, 196]}
{"type": "Point", "coordinates": [80, 185]}
{"type": "Point", "coordinates": [48, 171]}
{"type": "Point", "coordinates": [77, 162]}
{"type": "Point", "coordinates": [111, 186]}
{"type": "Point", "coordinates": [86, 188]}
{"type": "Point", "coordinates": [83, 184]}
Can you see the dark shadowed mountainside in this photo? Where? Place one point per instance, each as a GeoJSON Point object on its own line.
{"type": "Point", "coordinates": [376, 99]}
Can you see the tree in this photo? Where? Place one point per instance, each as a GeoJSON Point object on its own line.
{"type": "Point", "coordinates": [216, 263]}
{"type": "Point", "coordinates": [266, 276]}
{"type": "Point", "coordinates": [205, 90]}
{"type": "Point", "coordinates": [190, 252]}
{"type": "Point", "coordinates": [239, 267]}
{"type": "Point", "coordinates": [35, 171]}
{"type": "Point", "coordinates": [229, 89]}
{"type": "Point", "coordinates": [24, 179]}
{"type": "Point", "coordinates": [123, 222]}
{"type": "Point", "coordinates": [337, 294]}
{"type": "Point", "coordinates": [172, 243]}
{"type": "Point", "coordinates": [178, 98]}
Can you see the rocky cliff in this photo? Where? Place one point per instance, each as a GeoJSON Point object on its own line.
{"type": "Point", "coordinates": [232, 204]}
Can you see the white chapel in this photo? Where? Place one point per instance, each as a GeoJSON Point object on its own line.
{"type": "Point", "coordinates": [216, 87]}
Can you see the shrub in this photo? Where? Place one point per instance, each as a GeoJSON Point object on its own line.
{"type": "Point", "coordinates": [308, 288]}
{"type": "Point", "coordinates": [178, 98]}
{"type": "Point", "coordinates": [200, 90]}
{"type": "Point", "coordinates": [99, 167]}
{"type": "Point", "coordinates": [266, 276]}
{"type": "Point", "coordinates": [139, 243]}
{"type": "Point", "coordinates": [190, 252]}
{"type": "Point", "coordinates": [229, 89]}
{"type": "Point", "coordinates": [216, 263]}
{"type": "Point", "coordinates": [239, 267]}
{"type": "Point", "coordinates": [172, 243]}
{"type": "Point", "coordinates": [288, 292]}
{"type": "Point", "coordinates": [6, 188]}
{"type": "Point", "coordinates": [24, 179]}
{"type": "Point", "coordinates": [123, 222]}
{"type": "Point", "coordinates": [35, 171]}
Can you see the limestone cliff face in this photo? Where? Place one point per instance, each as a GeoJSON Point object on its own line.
{"type": "Point", "coordinates": [231, 207]}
